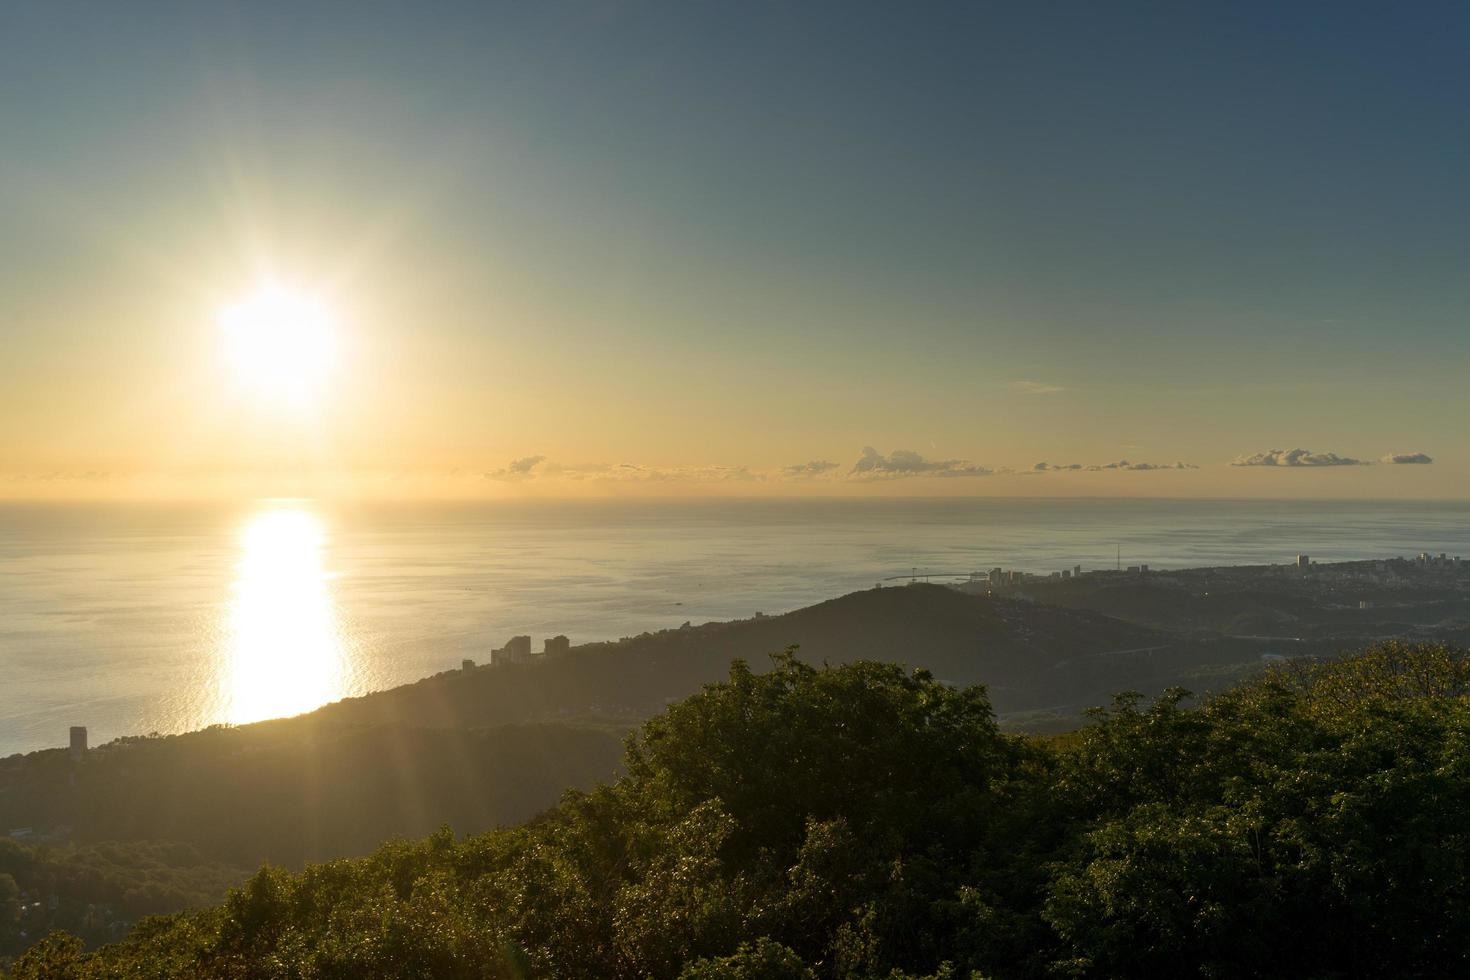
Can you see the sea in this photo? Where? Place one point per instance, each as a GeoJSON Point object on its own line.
{"type": "Point", "coordinates": [134, 619]}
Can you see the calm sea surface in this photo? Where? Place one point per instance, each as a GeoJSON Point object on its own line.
{"type": "Point", "coordinates": [130, 619]}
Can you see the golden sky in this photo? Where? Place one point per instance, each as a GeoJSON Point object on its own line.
{"type": "Point", "coordinates": [624, 254]}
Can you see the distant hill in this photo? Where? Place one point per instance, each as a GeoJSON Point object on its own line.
{"type": "Point", "coordinates": [1030, 656]}
{"type": "Point", "coordinates": [1338, 606]}
{"type": "Point", "coordinates": [492, 746]}
{"type": "Point", "coordinates": [495, 745]}
{"type": "Point", "coordinates": [301, 789]}
{"type": "Point", "coordinates": [1254, 610]}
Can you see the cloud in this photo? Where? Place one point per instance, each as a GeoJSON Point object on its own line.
{"type": "Point", "coordinates": [1296, 457]}
{"type": "Point", "coordinates": [525, 464]}
{"type": "Point", "coordinates": [1408, 458]}
{"type": "Point", "coordinates": [813, 468]}
{"type": "Point", "coordinates": [639, 473]}
{"type": "Point", "coordinates": [575, 471]}
{"type": "Point", "coordinates": [1124, 464]}
{"type": "Point", "coordinates": [1121, 464]}
{"type": "Point", "coordinates": [539, 468]}
{"type": "Point", "coordinates": [691, 474]}
{"type": "Point", "coordinates": [873, 465]}
{"type": "Point", "coordinates": [517, 469]}
{"type": "Point", "coordinates": [1036, 387]}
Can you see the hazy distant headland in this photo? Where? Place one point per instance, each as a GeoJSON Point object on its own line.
{"type": "Point", "coordinates": [499, 737]}
{"type": "Point", "coordinates": [130, 619]}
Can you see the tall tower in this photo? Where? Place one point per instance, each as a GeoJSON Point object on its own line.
{"type": "Point", "coordinates": [78, 746]}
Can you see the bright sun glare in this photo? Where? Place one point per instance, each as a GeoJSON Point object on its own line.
{"type": "Point", "coordinates": [281, 345]}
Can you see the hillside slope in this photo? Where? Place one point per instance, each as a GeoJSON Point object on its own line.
{"type": "Point", "coordinates": [1030, 656]}
{"type": "Point", "coordinates": [494, 745]}
{"type": "Point", "coordinates": [301, 789]}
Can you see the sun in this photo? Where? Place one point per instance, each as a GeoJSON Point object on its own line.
{"type": "Point", "coordinates": [281, 345]}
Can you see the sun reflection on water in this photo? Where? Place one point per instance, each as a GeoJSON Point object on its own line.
{"type": "Point", "coordinates": [285, 651]}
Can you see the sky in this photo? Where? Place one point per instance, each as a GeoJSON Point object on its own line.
{"type": "Point", "coordinates": [623, 248]}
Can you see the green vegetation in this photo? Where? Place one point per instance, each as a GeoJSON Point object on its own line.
{"type": "Point", "coordinates": [862, 821]}
{"type": "Point", "coordinates": [302, 789]}
{"type": "Point", "coordinates": [96, 891]}
{"type": "Point", "coordinates": [161, 823]}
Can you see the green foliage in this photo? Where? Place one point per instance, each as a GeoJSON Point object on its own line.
{"type": "Point", "coordinates": [867, 823]}
{"type": "Point", "coordinates": [894, 754]}
{"type": "Point", "coordinates": [1310, 824]}
{"type": "Point", "coordinates": [761, 960]}
{"type": "Point", "coordinates": [56, 957]}
{"type": "Point", "coordinates": [94, 891]}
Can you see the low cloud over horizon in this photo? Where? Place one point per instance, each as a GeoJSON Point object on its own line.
{"type": "Point", "coordinates": [1296, 458]}
{"type": "Point", "coordinates": [873, 465]}
{"type": "Point", "coordinates": [516, 469]}
{"type": "Point", "coordinates": [536, 467]}
{"type": "Point", "coordinates": [1121, 464]}
{"type": "Point", "coordinates": [816, 467]}
{"type": "Point", "coordinates": [906, 462]}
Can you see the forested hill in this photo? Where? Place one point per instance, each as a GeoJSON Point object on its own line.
{"type": "Point", "coordinates": [494, 745]}
{"type": "Point", "coordinates": [301, 789]}
{"type": "Point", "coordinates": [864, 822]}
{"type": "Point", "coordinates": [1030, 656]}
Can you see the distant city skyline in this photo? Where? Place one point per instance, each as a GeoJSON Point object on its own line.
{"type": "Point", "coordinates": [579, 249]}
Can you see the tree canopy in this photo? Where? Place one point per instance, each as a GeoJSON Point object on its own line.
{"type": "Point", "coordinates": [864, 821]}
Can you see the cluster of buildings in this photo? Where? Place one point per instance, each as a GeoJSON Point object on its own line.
{"type": "Point", "coordinates": [1384, 571]}
{"type": "Point", "coordinates": [1344, 583]}
{"type": "Point", "coordinates": [1005, 578]}
{"type": "Point", "coordinates": [518, 651]}
{"type": "Point", "coordinates": [1388, 572]}
{"type": "Point", "coordinates": [1000, 577]}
